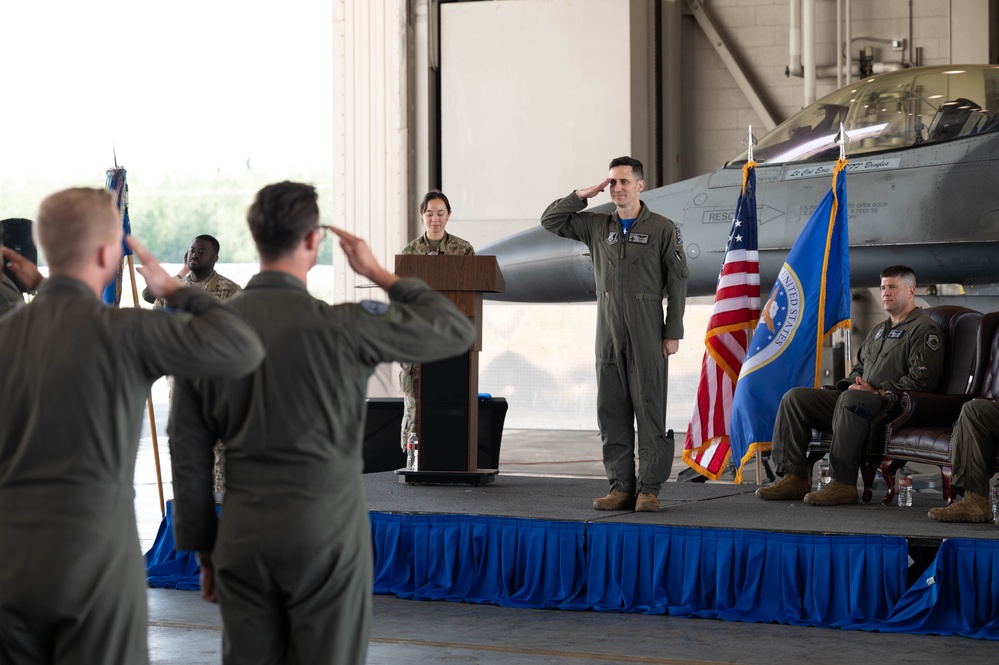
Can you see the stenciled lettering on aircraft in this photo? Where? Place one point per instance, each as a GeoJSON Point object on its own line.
{"type": "Point", "coordinates": [781, 315]}
{"type": "Point", "coordinates": [817, 170]}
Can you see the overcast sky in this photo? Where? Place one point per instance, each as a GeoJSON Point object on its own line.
{"type": "Point", "coordinates": [180, 87]}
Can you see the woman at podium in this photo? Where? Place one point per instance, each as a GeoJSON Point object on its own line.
{"type": "Point", "coordinates": [435, 211]}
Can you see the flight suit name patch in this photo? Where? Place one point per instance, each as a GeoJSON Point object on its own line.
{"type": "Point", "coordinates": [612, 238]}
{"type": "Point", "coordinates": [640, 238]}
{"type": "Point", "coordinates": [896, 333]}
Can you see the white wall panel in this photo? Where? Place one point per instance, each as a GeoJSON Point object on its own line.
{"type": "Point", "coordinates": [536, 100]}
{"type": "Point", "coordinates": [371, 149]}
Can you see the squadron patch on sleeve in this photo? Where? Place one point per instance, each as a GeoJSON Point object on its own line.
{"type": "Point", "coordinates": [679, 240]}
{"type": "Point", "coordinates": [933, 341]}
{"type": "Point", "coordinates": [374, 307]}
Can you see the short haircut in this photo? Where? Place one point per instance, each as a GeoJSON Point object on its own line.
{"type": "Point", "coordinates": [210, 239]}
{"type": "Point", "coordinates": [905, 274]}
{"type": "Point", "coordinates": [636, 166]}
{"type": "Point", "coordinates": [282, 215]}
{"type": "Point", "coordinates": [73, 223]}
{"type": "Point", "coordinates": [432, 195]}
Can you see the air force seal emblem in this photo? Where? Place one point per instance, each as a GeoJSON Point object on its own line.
{"type": "Point", "coordinates": [612, 238]}
{"type": "Point", "coordinates": [779, 319]}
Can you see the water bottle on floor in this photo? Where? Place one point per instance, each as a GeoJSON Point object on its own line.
{"type": "Point", "coordinates": [905, 487]}
{"type": "Point", "coordinates": [995, 503]}
{"type": "Point", "coordinates": [822, 475]}
{"type": "Point", "coordinates": [412, 452]}
{"type": "Point", "coordinates": [411, 448]}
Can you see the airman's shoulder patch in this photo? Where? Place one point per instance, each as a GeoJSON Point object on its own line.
{"type": "Point", "coordinates": [374, 307]}
{"type": "Point", "coordinates": [679, 240]}
{"type": "Point", "coordinates": [933, 341]}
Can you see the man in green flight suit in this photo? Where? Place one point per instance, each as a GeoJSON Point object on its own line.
{"type": "Point", "coordinates": [638, 260]}
{"type": "Point", "coordinates": [73, 388]}
{"type": "Point", "coordinates": [973, 446]}
{"type": "Point", "coordinates": [904, 352]}
{"type": "Point", "coordinates": [291, 561]}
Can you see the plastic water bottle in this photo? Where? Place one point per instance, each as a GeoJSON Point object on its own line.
{"type": "Point", "coordinates": [823, 475]}
{"type": "Point", "coordinates": [905, 487]}
{"type": "Point", "coordinates": [412, 452]}
{"type": "Point", "coordinates": [995, 503]}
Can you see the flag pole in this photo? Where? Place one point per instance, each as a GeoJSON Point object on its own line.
{"type": "Point", "coordinates": [123, 211]}
{"type": "Point", "coordinates": [847, 334]}
{"type": "Point", "coordinates": [759, 454]}
{"type": "Point", "coordinates": [149, 402]}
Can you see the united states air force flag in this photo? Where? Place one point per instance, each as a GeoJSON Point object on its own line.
{"type": "Point", "coordinates": [810, 300]}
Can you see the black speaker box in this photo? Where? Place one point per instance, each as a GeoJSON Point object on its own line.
{"type": "Point", "coordinates": [382, 451]}
{"type": "Point", "coordinates": [17, 236]}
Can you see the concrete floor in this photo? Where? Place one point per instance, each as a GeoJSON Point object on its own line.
{"type": "Point", "coordinates": [183, 629]}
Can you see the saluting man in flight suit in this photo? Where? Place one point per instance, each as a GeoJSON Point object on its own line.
{"type": "Point", "coordinates": [637, 260]}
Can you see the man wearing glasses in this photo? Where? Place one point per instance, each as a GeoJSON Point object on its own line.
{"type": "Point", "coordinates": [290, 564]}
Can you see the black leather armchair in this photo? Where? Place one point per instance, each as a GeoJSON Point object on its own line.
{"type": "Point", "coordinates": [921, 430]}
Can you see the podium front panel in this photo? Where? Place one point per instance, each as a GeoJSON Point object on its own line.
{"type": "Point", "coordinates": [445, 419]}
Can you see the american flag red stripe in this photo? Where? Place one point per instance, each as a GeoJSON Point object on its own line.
{"type": "Point", "coordinates": [733, 319]}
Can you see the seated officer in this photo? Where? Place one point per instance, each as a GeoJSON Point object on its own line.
{"type": "Point", "coordinates": [974, 449]}
{"type": "Point", "coordinates": [904, 352]}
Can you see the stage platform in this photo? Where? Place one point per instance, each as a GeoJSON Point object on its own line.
{"type": "Point", "coordinates": [531, 539]}
{"type": "Point", "coordinates": [714, 550]}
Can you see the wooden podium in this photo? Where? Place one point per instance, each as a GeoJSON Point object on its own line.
{"type": "Point", "coordinates": [447, 403]}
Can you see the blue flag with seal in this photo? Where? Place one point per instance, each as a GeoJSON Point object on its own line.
{"type": "Point", "coordinates": [119, 189]}
{"type": "Point", "coordinates": [809, 301]}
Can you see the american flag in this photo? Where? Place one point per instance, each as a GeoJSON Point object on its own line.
{"type": "Point", "coordinates": [733, 319]}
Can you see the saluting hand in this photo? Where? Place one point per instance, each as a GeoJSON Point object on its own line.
{"type": "Point", "coordinates": [161, 284]}
{"type": "Point", "coordinates": [590, 192]}
{"type": "Point", "coordinates": [362, 261]}
{"type": "Point", "coordinates": [23, 269]}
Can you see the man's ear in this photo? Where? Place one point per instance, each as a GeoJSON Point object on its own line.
{"type": "Point", "coordinates": [641, 185]}
{"type": "Point", "coordinates": [312, 240]}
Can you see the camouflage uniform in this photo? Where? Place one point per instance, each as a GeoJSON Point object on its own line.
{"type": "Point", "coordinates": [222, 288]}
{"type": "Point", "coordinates": [409, 376]}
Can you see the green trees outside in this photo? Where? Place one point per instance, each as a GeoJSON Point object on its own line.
{"type": "Point", "coordinates": [167, 214]}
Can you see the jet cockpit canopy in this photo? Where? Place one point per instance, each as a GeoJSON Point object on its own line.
{"type": "Point", "coordinates": [888, 112]}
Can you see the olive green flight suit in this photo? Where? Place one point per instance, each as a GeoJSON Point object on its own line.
{"type": "Point", "coordinates": [10, 295]}
{"type": "Point", "coordinates": [633, 274]}
{"type": "Point", "coordinates": [409, 377]}
{"type": "Point", "coordinates": [908, 356]}
{"type": "Point", "coordinates": [292, 553]}
{"type": "Point", "coordinates": [74, 376]}
{"type": "Point", "coordinates": [973, 446]}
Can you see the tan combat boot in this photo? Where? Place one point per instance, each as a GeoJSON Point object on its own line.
{"type": "Point", "coordinates": [647, 503]}
{"type": "Point", "coordinates": [788, 487]}
{"type": "Point", "coordinates": [615, 500]}
{"type": "Point", "coordinates": [972, 508]}
{"type": "Point", "coordinates": [833, 494]}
